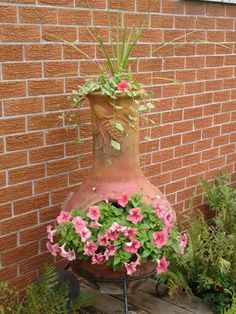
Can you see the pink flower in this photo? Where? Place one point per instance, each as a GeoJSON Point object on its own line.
{"type": "Point", "coordinates": [110, 251]}
{"type": "Point", "coordinates": [94, 213]}
{"type": "Point", "coordinates": [129, 232]}
{"type": "Point", "coordinates": [112, 235]}
{"type": "Point", "coordinates": [123, 200]}
{"type": "Point", "coordinates": [160, 238]}
{"type": "Point", "coordinates": [131, 267]}
{"type": "Point", "coordinates": [50, 233]}
{"type": "Point", "coordinates": [53, 249]}
{"type": "Point", "coordinates": [98, 259]}
{"type": "Point", "coordinates": [71, 255]}
{"type": "Point", "coordinates": [79, 224]}
{"type": "Point", "coordinates": [183, 241]}
{"type": "Point", "coordinates": [169, 217]}
{"type": "Point", "coordinates": [115, 227]}
{"type": "Point", "coordinates": [84, 234]}
{"type": "Point", "coordinates": [160, 211]}
{"type": "Point", "coordinates": [123, 85]}
{"type": "Point", "coordinates": [63, 217]}
{"type": "Point", "coordinates": [162, 265]}
{"type": "Point", "coordinates": [103, 240]}
{"type": "Point", "coordinates": [63, 252]}
{"type": "Point", "coordinates": [133, 246]}
{"type": "Point", "coordinates": [135, 215]}
{"type": "Point", "coordinates": [90, 248]}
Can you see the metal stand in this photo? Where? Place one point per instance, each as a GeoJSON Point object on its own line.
{"type": "Point", "coordinates": [125, 280]}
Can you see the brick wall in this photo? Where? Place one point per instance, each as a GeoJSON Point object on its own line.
{"type": "Point", "coordinates": [39, 160]}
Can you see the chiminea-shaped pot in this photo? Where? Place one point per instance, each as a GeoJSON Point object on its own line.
{"type": "Point", "coordinates": [114, 170]}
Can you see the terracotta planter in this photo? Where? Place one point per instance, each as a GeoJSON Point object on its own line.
{"type": "Point", "coordinates": [114, 171]}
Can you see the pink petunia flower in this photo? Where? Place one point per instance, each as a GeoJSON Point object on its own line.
{"type": "Point", "coordinates": [63, 217]}
{"type": "Point", "coordinates": [129, 232]}
{"type": "Point", "coordinates": [98, 259]}
{"type": "Point", "coordinates": [123, 86]}
{"type": "Point", "coordinates": [135, 215]}
{"type": "Point", "coordinates": [79, 224]}
{"type": "Point", "coordinates": [160, 212]}
{"type": "Point", "coordinates": [94, 213]}
{"type": "Point", "coordinates": [53, 249]}
{"type": "Point", "coordinates": [50, 233]}
{"type": "Point", "coordinates": [71, 255]}
{"type": "Point", "coordinates": [90, 248]}
{"type": "Point", "coordinates": [131, 267]}
{"type": "Point", "coordinates": [84, 234]}
{"type": "Point", "coordinates": [183, 241]}
{"type": "Point", "coordinates": [133, 246]}
{"type": "Point", "coordinates": [162, 265]}
{"type": "Point", "coordinates": [110, 251]}
{"type": "Point", "coordinates": [169, 217]}
{"type": "Point", "coordinates": [103, 240]}
{"type": "Point", "coordinates": [123, 200]}
{"type": "Point", "coordinates": [115, 227]}
{"type": "Point", "coordinates": [63, 252]}
{"type": "Point", "coordinates": [111, 235]}
{"type": "Point", "coordinates": [160, 238]}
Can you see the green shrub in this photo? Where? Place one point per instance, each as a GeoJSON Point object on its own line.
{"type": "Point", "coordinates": [48, 296]}
{"type": "Point", "coordinates": [208, 267]}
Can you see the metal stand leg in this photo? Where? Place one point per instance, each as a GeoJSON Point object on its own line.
{"type": "Point", "coordinates": [125, 296]}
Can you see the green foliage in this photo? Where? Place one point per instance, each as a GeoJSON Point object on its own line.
{"type": "Point", "coordinates": [208, 268]}
{"type": "Point", "coordinates": [45, 297]}
{"type": "Point", "coordinates": [232, 309]}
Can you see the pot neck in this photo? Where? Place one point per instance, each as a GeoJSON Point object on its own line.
{"type": "Point", "coordinates": [115, 124]}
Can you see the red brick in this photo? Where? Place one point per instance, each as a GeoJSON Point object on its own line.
{"type": "Point", "coordinates": [170, 141]}
{"type": "Point", "coordinates": [37, 15]}
{"type": "Point", "coordinates": [46, 153]}
{"type": "Point", "coordinates": [227, 149]}
{"type": "Point", "coordinates": [231, 158]}
{"type": "Point", "coordinates": [101, 4]}
{"type": "Point", "coordinates": [202, 99]}
{"type": "Point", "coordinates": [11, 160]}
{"type": "Point", "coordinates": [73, 53]}
{"type": "Point", "coordinates": [66, 33]}
{"type": "Point", "coordinates": [57, 2]}
{"type": "Point", "coordinates": [32, 203]}
{"type": "Point", "coordinates": [211, 132]}
{"type": "Point", "coordinates": [195, 62]}
{"type": "Point", "coordinates": [22, 106]}
{"type": "Point", "coordinates": [222, 96]}
{"type": "Point", "coordinates": [191, 159]}
{"type": "Point", "coordinates": [21, 282]}
{"type": "Point", "coordinates": [43, 121]}
{"type": "Point", "coordinates": [229, 127]}
{"type": "Point", "coordinates": [57, 136]}
{"type": "Point", "coordinates": [1, 145]}
{"type": "Point", "coordinates": [162, 155]}
{"type": "Point", "coordinates": [205, 49]}
{"type": "Point", "coordinates": [12, 125]}
{"type": "Point", "coordinates": [2, 179]}
{"type": "Point", "coordinates": [185, 22]}
{"type": "Point", "coordinates": [24, 141]}
{"type": "Point", "coordinates": [191, 137]}
{"type": "Point", "coordinates": [5, 211]}
{"type": "Point", "coordinates": [183, 126]}
{"type": "Point", "coordinates": [8, 273]}
{"type": "Point", "coordinates": [152, 170]}
{"type": "Point", "coordinates": [214, 61]}
{"type": "Point", "coordinates": [183, 150]}
{"type": "Point", "coordinates": [26, 173]}
{"type": "Point", "coordinates": [217, 163]}
{"type": "Point", "coordinates": [228, 106]}
{"type": "Point", "coordinates": [146, 65]}
{"type": "Point", "coordinates": [202, 145]}
{"type": "Point", "coordinates": [172, 164]}
{"type": "Point", "coordinates": [142, 5]}
{"type": "Point", "coordinates": [173, 90]}
{"type": "Point", "coordinates": [216, 36]}
{"type": "Point", "coordinates": [185, 194]}
{"type": "Point", "coordinates": [221, 140]}
{"type": "Point", "coordinates": [193, 113]}
{"type": "Point", "coordinates": [79, 176]}
{"type": "Point", "coordinates": [206, 23]}
{"type": "Point", "coordinates": [173, 63]}
{"type": "Point", "coordinates": [53, 103]}
{"type": "Point", "coordinates": [210, 154]}
{"type": "Point", "coordinates": [12, 89]}
{"type": "Point", "coordinates": [50, 184]}
{"type": "Point", "coordinates": [32, 234]}
{"type": "Point", "coordinates": [161, 179]}
{"type": "Point", "coordinates": [195, 8]}
{"type": "Point", "coordinates": [186, 75]}
{"type": "Point", "coordinates": [8, 14]}
{"type": "Point", "coordinates": [211, 109]}
{"type": "Point", "coordinates": [202, 123]}
{"type": "Point", "coordinates": [43, 52]}
{"type": "Point", "coordinates": [19, 191]}
{"type": "Point", "coordinates": [175, 186]}
{"type": "Point", "coordinates": [50, 213]}
{"type": "Point", "coordinates": [205, 74]}
{"type": "Point", "coordinates": [194, 88]}
{"type": "Point", "coordinates": [64, 165]}
{"type": "Point", "coordinates": [85, 35]}
{"type": "Point", "coordinates": [19, 33]}
{"type": "Point", "coordinates": [215, 9]}
{"type": "Point", "coordinates": [225, 24]}
{"type": "Point", "coordinates": [19, 253]}
{"type": "Point", "coordinates": [8, 242]}
{"type": "Point", "coordinates": [221, 118]}
{"type": "Point", "coordinates": [47, 86]}
{"type": "Point", "coordinates": [201, 167]}
{"type": "Point", "coordinates": [35, 262]}
{"type": "Point", "coordinates": [151, 35]}
{"type": "Point", "coordinates": [55, 69]}
{"type": "Point", "coordinates": [12, 71]}
{"type": "Point", "coordinates": [183, 102]}
{"type": "Point", "coordinates": [11, 53]}
{"type": "Point", "coordinates": [165, 21]}
{"type": "Point", "coordinates": [174, 7]}
{"type": "Point", "coordinates": [180, 174]}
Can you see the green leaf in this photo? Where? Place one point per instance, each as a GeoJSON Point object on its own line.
{"type": "Point", "coordinates": [115, 144]}
{"type": "Point", "coordinates": [119, 126]}
{"type": "Point", "coordinates": [75, 213]}
{"type": "Point", "coordinates": [146, 253]}
{"type": "Point", "coordinates": [132, 118]}
{"type": "Point", "coordinates": [116, 260]}
{"type": "Point", "coordinates": [150, 105]}
{"type": "Point", "coordinates": [118, 211]}
{"type": "Point", "coordinates": [142, 108]}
